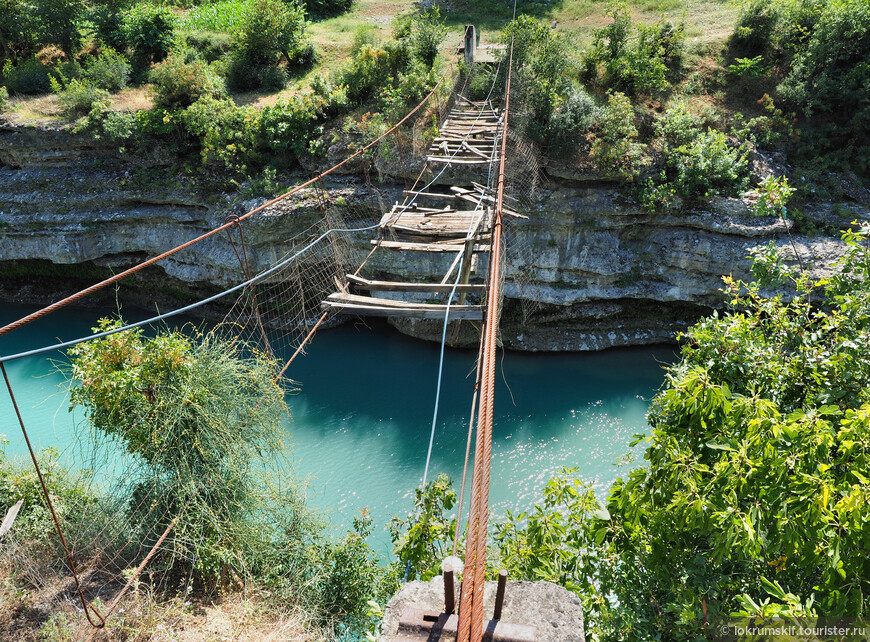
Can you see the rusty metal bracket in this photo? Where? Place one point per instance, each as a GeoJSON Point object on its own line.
{"type": "Point", "coordinates": [417, 624]}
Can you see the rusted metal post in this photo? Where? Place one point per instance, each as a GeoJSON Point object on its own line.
{"type": "Point", "coordinates": [449, 590]}
{"type": "Point", "coordinates": [499, 594]}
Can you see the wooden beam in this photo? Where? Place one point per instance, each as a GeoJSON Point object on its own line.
{"type": "Point", "coordinates": [427, 247]}
{"type": "Point", "coordinates": [398, 286]}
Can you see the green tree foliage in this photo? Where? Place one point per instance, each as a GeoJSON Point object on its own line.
{"type": "Point", "coordinates": [425, 537]}
{"type": "Point", "coordinates": [149, 31]}
{"type": "Point", "coordinates": [17, 30]}
{"type": "Point", "coordinates": [636, 59]}
{"type": "Point", "coordinates": [758, 460]}
{"type": "Point", "coordinates": [201, 419]}
{"type": "Point", "coordinates": [58, 24]}
{"type": "Point", "coordinates": [271, 29]}
{"type": "Point", "coordinates": [424, 32]}
{"type": "Point", "coordinates": [542, 61]}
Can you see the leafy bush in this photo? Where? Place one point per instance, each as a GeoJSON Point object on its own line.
{"type": "Point", "coordinates": [708, 166]}
{"type": "Point", "coordinates": [755, 29]}
{"type": "Point", "coordinates": [373, 68]}
{"type": "Point", "coordinates": [107, 19]}
{"type": "Point", "coordinates": [110, 70]}
{"type": "Point", "coordinates": [759, 452]}
{"type": "Point", "coordinates": [229, 136]}
{"type": "Point", "coordinates": [635, 58]}
{"type": "Point", "coordinates": [615, 150]}
{"type": "Point", "coordinates": [271, 29]}
{"type": "Point", "coordinates": [20, 482]}
{"type": "Point", "coordinates": [4, 99]}
{"type": "Point", "coordinates": [176, 83]}
{"type": "Point", "coordinates": [773, 196]}
{"type": "Point", "coordinates": [577, 115]}
{"type": "Point", "coordinates": [767, 130]}
{"type": "Point", "coordinates": [677, 127]}
{"type": "Point", "coordinates": [149, 30]}
{"type": "Point", "coordinates": [29, 77]}
{"type": "Point", "coordinates": [424, 538]}
{"type": "Point", "coordinates": [425, 32]}
{"type": "Point", "coordinates": [209, 45]}
{"type": "Point", "coordinates": [832, 73]}
{"type": "Point", "coordinates": [78, 97]}
{"type": "Point", "coordinates": [204, 420]}
{"type": "Point", "coordinates": [326, 8]}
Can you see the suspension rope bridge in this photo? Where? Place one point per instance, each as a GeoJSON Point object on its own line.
{"type": "Point", "coordinates": [455, 218]}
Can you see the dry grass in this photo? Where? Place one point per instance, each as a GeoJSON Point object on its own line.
{"type": "Point", "coordinates": [50, 611]}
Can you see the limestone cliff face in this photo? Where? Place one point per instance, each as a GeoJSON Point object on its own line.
{"type": "Point", "coordinates": [588, 270]}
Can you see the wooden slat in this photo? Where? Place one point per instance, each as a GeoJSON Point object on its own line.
{"type": "Point", "coordinates": [456, 161]}
{"type": "Point", "coordinates": [398, 286]}
{"type": "Point", "coordinates": [426, 247]}
{"type": "Point", "coordinates": [371, 306]}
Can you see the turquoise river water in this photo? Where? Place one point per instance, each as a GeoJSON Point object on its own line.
{"type": "Point", "coordinates": [361, 420]}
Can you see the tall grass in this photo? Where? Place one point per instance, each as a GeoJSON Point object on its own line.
{"type": "Point", "coordinates": [225, 16]}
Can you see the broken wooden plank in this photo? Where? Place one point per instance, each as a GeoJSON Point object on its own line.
{"type": "Point", "coordinates": [9, 520]}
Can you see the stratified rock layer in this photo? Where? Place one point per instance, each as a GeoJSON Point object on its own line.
{"type": "Point", "coordinates": [588, 270]}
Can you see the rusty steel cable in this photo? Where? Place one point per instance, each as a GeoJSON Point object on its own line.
{"type": "Point", "coordinates": [88, 607]}
{"type": "Point", "coordinates": [471, 618]}
{"type": "Point", "coordinates": [136, 268]}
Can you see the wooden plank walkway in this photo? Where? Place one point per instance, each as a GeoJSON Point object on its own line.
{"type": "Point", "coordinates": [457, 221]}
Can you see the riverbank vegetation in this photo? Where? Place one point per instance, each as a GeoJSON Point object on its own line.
{"type": "Point", "coordinates": [674, 103]}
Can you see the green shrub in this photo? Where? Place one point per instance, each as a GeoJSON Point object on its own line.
{"type": "Point", "coordinates": [326, 8]}
{"type": "Point", "coordinates": [425, 33]}
{"type": "Point", "coordinates": [102, 122]}
{"type": "Point", "coordinates": [177, 84]}
{"type": "Point", "coordinates": [202, 417]}
{"type": "Point", "coordinates": [636, 59]}
{"type": "Point", "coordinates": [271, 29]}
{"type": "Point", "coordinates": [110, 71]}
{"type": "Point", "coordinates": [29, 77]}
{"type": "Point", "coordinates": [767, 130]}
{"type": "Point", "coordinates": [373, 68]}
{"type": "Point", "coordinates": [755, 29]}
{"type": "Point", "coordinates": [209, 45]}
{"type": "Point", "coordinates": [107, 19]}
{"type": "Point", "coordinates": [615, 150]}
{"type": "Point", "coordinates": [542, 59]}
{"type": "Point", "coordinates": [149, 30]}
{"type": "Point", "coordinates": [677, 126]}
{"type": "Point", "coordinates": [407, 90]}
{"type": "Point", "coordinates": [228, 135]}
{"type": "Point", "coordinates": [832, 74]}
{"type": "Point", "coordinates": [708, 166]}
{"type": "Point", "coordinates": [78, 97]}
{"type": "Point", "coordinates": [576, 116]}
{"type": "Point", "coordinates": [774, 193]}
{"type": "Point", "coordinates": [34, 523]}
{"type": "Point", "coordinates": [4, 99]}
